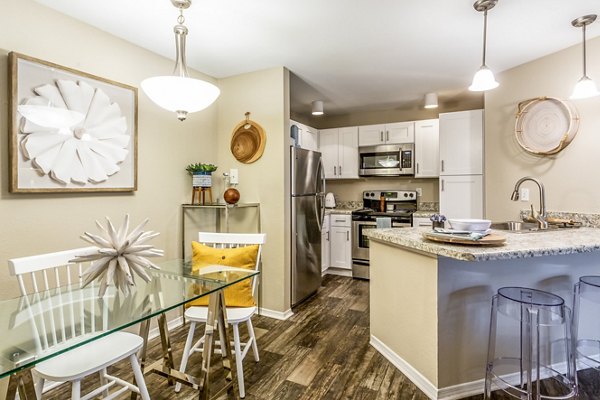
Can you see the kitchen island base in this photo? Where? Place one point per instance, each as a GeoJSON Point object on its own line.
{"type": "Point", "coordinates": [430, 314]}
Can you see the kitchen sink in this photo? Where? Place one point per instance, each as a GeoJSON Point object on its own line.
{"type": "Point", "coordinates": [529, 227]}
{"type": "Point", "coordinates": [516, 227]}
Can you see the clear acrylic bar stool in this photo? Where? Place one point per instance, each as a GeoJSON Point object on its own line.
{"type": "Point", "coordinates": [529, 349]}
{"type": "Point", "coordinates": [586, 331]}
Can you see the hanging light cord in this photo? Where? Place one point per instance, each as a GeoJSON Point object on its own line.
{"type": "Point", "coordinates": [180, 34]}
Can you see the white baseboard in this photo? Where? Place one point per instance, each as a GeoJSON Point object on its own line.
{"type": "Point", "coordinates": [265, 312]}
{"type": "Point", "coordinates": [411, 373]}
{"type": "Point", "coordinates": [454, 392]}
{"type": "Point", "coordinates": [338, 271]}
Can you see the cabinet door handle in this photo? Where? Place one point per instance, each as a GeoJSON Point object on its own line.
{"type": "Point", "coordinates": [427, 126]}
{"type": "Point", "coordinates": [340, 220]}
{"type": "Point", "coordinates": [442, 185]}
{"type": "Point", "coordinates": [340, 167]}
{"type": "Point", "coordinates": [387, 135]}
{"type": "Point", "coordinates": [335, 170]}
{"type": "Point", "coordinates": [328, 236]}
{"type": "Point", "coordinates": [381, 136]}
{"type": "Point", "coordinates": [417, 168]}
{"type": "Point", "coordinates": [347, 236]}
{"type": "Point", "coordinates": [442, 165]}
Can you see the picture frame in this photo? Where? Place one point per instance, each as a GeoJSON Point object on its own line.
{"type": "Point", "coordinates": [69, 131]}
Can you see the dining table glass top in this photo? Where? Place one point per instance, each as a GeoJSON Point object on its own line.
{"type": "Point", "coordinates": [42, 325]}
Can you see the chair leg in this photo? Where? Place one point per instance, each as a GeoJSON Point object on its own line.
{"type": "Point", "coordinates": [75, 390]}
{"type": "Point", "coordinates": [39, 387]}
{"type": "Point", "coordinates": [253, 339]}
{"type": "Point", "coordinates": [238, 359]}
{"type": "Point", "coordinates": [139, 377]}
{"type": "Point", "coordinates": [186, 352]}
{"type": "Point", "coordinates": [103, 373]}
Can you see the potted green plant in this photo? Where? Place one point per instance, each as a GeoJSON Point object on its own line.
{"type": "Point", "coordinates": [201, 174]}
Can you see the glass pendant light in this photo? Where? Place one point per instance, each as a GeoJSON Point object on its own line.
{"type": "Point", "coordinates": [585, 87]}
{"type": "Point", "coordinates": [484, 78]}
{"type": "Point", "coordinates": [178, 92]}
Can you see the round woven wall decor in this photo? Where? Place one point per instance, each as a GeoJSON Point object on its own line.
{"type": "Point", "coordinates": [248, 141]}
{"type": "Point", "coordinates": [545, 125]}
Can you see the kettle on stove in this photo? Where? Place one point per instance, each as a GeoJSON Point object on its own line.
{"type": "Point", "coordinates": [330, 200]}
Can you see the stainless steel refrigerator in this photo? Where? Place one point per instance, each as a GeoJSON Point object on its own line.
{"type": "Point", "coordinates": [308, 212]}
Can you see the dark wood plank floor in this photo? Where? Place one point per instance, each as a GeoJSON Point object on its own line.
{"type": "Point", "coordinates": [322, 352]}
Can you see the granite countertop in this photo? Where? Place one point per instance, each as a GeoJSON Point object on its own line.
{"type": "Point", "coordinates": [340, 210]}
{"type": "Point", "coordinates": [518, 245]}
{"type": "Point", "coordinates": [423, 214]}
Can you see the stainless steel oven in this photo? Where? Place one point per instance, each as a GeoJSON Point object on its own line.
{"type": "Point", "coordinates": [396, 205]}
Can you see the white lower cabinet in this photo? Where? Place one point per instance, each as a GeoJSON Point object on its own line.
{"type": "Point", "coordinates": [461, 196]}
{"type": "Point", "coordinates": [421, 222]}
{"type": "Point", "coordinates": [340, 241]}
{"type": "Point", "coordinates": [325, 245]}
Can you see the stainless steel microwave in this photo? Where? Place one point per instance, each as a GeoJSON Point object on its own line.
{"type": "Point", "coordinates": [387, 160]}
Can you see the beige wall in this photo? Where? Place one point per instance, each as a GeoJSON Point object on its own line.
{"type": "Point", "coordinates": [34, 223]}
{"type": "Point", "coordinates": [264, 95]}
{"type": "Point", "coordinates": [571, 176]}
{"type": "Point", "coordinates": [351, 190]}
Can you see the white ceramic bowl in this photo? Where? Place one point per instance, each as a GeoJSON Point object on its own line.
{"type": "Point", "coordinates": [470, 224]}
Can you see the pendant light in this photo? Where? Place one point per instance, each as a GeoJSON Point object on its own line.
{"type": "Point", "coordinates": [484, 78]}
{"type": "Point", "coordinates": [317, 107]}
{"type": "Point", "coordinates": [585, 87]}
{"type": "Point", "coordinates": [178, 92]}
{"type": "Point", "coordinates": [431, 100]}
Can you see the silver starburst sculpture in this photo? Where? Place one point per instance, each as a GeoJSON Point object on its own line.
{"type": "Point", "coordinates": [120, 256]}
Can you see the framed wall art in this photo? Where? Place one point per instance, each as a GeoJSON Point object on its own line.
{"type": "Point", "coordinates": [69, 131]}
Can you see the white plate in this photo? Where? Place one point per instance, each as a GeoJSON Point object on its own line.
{"type": "Point", "coordinates": [470, 224]}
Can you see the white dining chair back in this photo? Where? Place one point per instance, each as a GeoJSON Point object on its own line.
{"type": "Point", "coordinates": [235, 316]}
{"type": "Point", "coordinates": [61, 317]}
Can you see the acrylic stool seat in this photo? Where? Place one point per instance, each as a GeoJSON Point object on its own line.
{"type": "Point", "coordinates": [529, 348]}
{"type": "Point", "coordinates": [586, 330]}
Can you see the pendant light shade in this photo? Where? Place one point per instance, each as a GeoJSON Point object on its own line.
{"type": "Point", "coordinates": [317, 107]}
{"type": "Point", "coordinates": [484, 78]}
{"type": "Point", "coordinates": [431, 100]}
{"type": "Point", "coordinates": [585, 87]}
{"type": "Point", "coordinates": [178, 92]}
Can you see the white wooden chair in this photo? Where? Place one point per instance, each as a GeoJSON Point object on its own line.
{"type": "Point", "coordinates": [60, 317]}
{"type": "Point", "coordinates": [235, 315]}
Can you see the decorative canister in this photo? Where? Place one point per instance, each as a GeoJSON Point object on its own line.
{"type": "Point", "coordinates": [202, 179]}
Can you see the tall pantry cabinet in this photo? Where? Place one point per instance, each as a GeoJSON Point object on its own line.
{"type": "Point", "coordinates": [461, 164]}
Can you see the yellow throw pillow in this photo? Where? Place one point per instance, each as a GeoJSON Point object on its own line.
{"type": "Point", "coordinates": [238, 295]}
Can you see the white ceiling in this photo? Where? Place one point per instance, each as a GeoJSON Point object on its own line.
{"type": "Point", "coordinates": [353, 54]}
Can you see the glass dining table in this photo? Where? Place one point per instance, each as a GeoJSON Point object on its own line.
{"type": "Point", "coordinates": [71, 316]}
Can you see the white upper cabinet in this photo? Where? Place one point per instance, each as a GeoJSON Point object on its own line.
{"type": "Point", "coordinates": [461, 143]}
{"type": "Point", "coordinates": [395, 133]}
{"type": "Point", "coordinates": [339, 147]}
{"type": "Point", "coordinates": [307, 136]}
{"type": "Point", "coordinates": [427, 148]}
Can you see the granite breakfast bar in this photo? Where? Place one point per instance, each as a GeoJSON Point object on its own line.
{"type": "Point", "coordinates": [430, 302]}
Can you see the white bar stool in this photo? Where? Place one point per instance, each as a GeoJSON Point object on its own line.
{"type": "Point", "coordinates": [530, 342]}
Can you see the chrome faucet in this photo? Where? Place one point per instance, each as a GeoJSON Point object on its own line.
{"type": "Point", "coordinates": [541, 216]}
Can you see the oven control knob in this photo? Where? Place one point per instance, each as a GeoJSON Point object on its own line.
{"type": "Point", "coordinates": [405, 194]}
{"type": "Point", "coordinates": [372, 194]}
{"type": "Point", "coordinates": [412, 195]}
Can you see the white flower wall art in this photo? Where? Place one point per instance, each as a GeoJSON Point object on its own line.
{"type": "Point", "coordinates": [70, 131]}
{"type": "Point", "coordinates": [121, 256]}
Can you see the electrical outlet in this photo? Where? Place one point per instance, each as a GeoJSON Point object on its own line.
{"type": "Point", "coordinates": [524, 196]}
{"type": "Point", "coordinates": [419, 191]}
